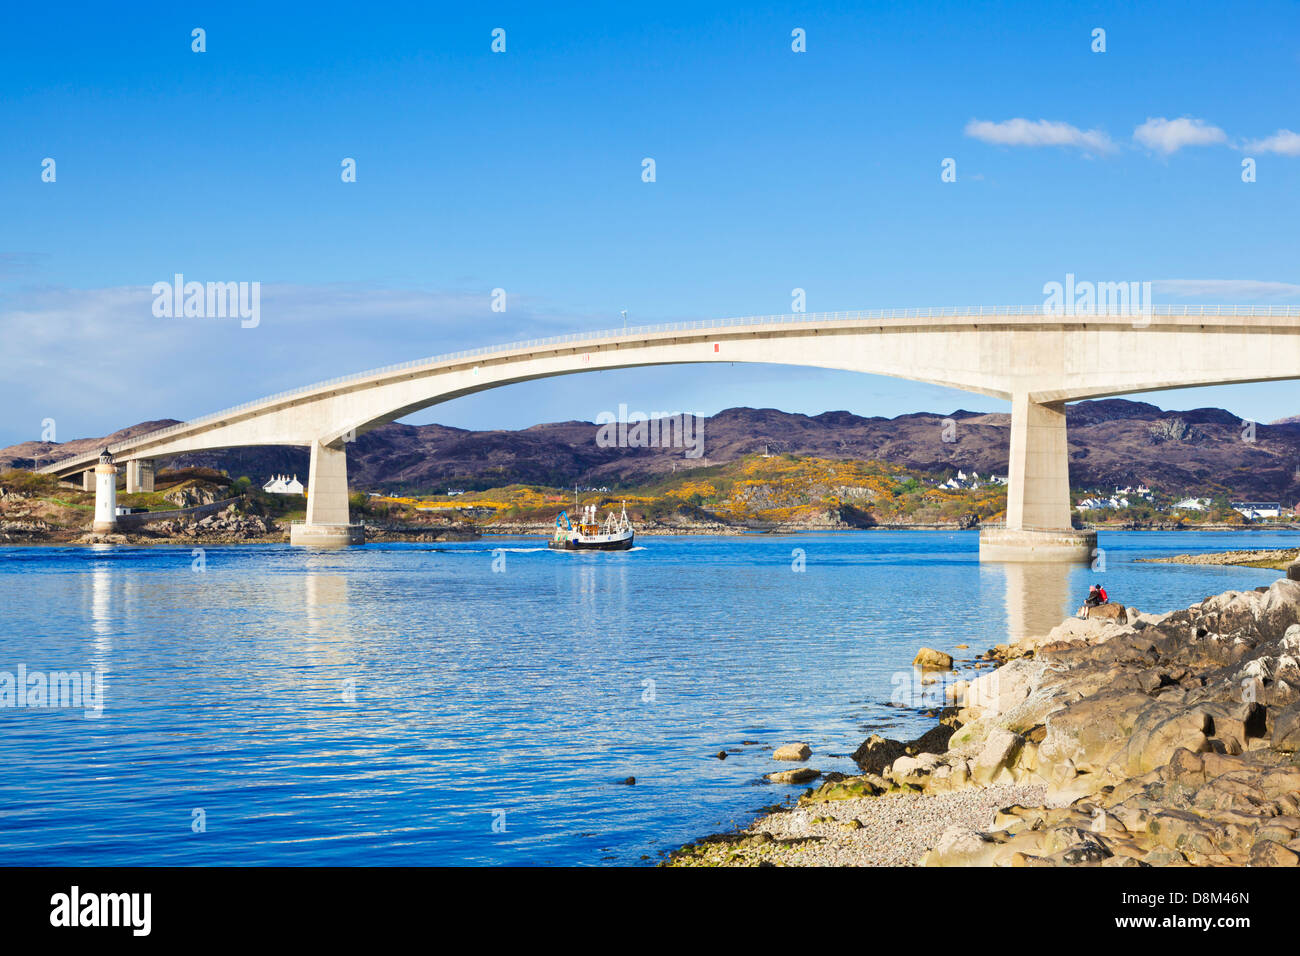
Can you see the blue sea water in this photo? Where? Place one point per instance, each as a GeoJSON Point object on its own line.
{"type": "Point", "coordinates": [409, 704]}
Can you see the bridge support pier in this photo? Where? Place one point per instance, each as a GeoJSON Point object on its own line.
{"type": "Point", "coordinates": [328, 523]}
{"type": "Point", "coordinates": [88, 480]}
{"type": "Point", "coordinates": [139, 475]}
{"type": "Point", "coordinates": [1038, 491]}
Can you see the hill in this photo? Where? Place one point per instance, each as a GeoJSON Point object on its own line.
{"type": "Point", "coordinates": [1112, 442]}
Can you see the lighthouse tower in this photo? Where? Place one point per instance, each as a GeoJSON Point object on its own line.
{"type": "Point", "coordinates": [105, 494]}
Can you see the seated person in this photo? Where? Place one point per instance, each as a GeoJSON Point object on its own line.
{"type": "Point", "coordinates": [1096, 595]}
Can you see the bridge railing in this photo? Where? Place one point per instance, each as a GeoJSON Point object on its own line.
{"type": "Point", "coordinates": [798, 318]}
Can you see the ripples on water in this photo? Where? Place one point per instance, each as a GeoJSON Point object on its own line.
{"type": "Point", "coordinates": [522, 696]}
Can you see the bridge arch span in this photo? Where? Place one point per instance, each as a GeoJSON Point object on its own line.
{"type": "Point", "coordinates": [1036, 360]}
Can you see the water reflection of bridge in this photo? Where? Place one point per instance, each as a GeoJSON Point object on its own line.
{"type": "Point", "coordinates": [1038, 596]}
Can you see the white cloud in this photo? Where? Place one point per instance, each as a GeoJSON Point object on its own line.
{"type": "Point", "coordinates": [1168, 136]}
{"type": "Point", "coordinates": [1227, 290]}
{"type": "Point", "coordinates": [1023, 132]}
{"type": "Point", "coordinates": [1283, 141]}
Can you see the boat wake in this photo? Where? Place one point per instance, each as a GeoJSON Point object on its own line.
{"type": "Point", "coordinates": [506, 550]}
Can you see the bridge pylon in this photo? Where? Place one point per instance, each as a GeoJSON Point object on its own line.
{"type": "Point", "coordinates": [328, 523]}
{"type": "Point", "coordinates": [139, 475]}
{"type": "Point", "coordinates": [1038, 491]}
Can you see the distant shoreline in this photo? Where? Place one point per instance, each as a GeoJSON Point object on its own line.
{"type": "Point", "coordinates": [1269, 558]}
{"type": "Point", "coordinates": [544, 528]}
{"type": "Point", "coordinates": [1278, 559]}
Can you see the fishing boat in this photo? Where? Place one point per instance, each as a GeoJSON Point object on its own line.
{"type": "Point", "coordinates": [590, 534]}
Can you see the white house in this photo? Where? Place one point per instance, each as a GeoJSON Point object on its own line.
{"type": "Point", "coordinates": [973, 480]}
{"type": "Point", "coordinates": [281, 485]}
{"type": "Point", "coordinates": [1257, 509]}
{"type": "Point", "coordinates": [1193, 504]}
{"type": "Point", "coordinates": [1097, 504]}
{"type": "Point", "coordinates": [1142, 491]}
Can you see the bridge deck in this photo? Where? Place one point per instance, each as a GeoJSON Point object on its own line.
{"type": "Point", "coordinates": [1243, 318]}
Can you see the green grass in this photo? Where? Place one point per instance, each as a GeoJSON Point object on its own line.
{"type": "Point", "coordinates": [68, 504]}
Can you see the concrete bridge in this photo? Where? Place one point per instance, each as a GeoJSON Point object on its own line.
{"type": "Point", "coordinates": [1035, 358]}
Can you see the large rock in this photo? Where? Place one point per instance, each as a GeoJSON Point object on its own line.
{"type": "Point", "coordinates": [1286, 729]}
{"type": "Point", "coordinates": [792, 752]}
{"type": "Point", "coordinates": [1015, 697]}
{"type": "Point", "coordinates": [1236, 725]}
{"type": "Point", "coordinates": [1073, 630]}
{"type": "Point", "coordinates": [798, 775]}
{"type": "Point", "coordinates": [1231, 610]}
{"type": "Point", "coordinates": [914, 770]}
{"type": "Point", "coordinates": [905, 767]}
{"type": "Point", "coordinates": [998, 754]}
{"type": "Point", "coordinates": [1090, 732]}
{"type": "Point", "coordinates": [1001, 689]}
{"type": "Point", "coordinates": [953, 774]}
{"type": "Point", "coordinates": [848, 788]}
{"type": "Point", "coordinates": [1290, 643]}
{"type": "Point", "coordinates": [933, 741]}
{"type": "Point", "coordinates": [1185, 767]}
{"type": "Point", "coordinates": [1279, 608]}
{"type": "Point", "coordinates": [928, 658]}
{"type": "Point", "coordinates": [962, 846]}
{"type": "Point", "coordinates": [192, 495]}
{"type": "Point", "coordinates": [878, 753]}
{"type": "Point", "coordinates": [1156, 734]}
{"type": "Point", "coordinates": [1268, 853]}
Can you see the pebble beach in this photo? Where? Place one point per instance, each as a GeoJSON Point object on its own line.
{"type": "Point", "coordinates": [890, 830]}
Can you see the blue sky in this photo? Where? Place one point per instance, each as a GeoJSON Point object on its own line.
{"type": "Point", "coordinates": [522, 170]}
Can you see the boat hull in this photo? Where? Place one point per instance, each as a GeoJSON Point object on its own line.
{"type": "Point", "coordinates": [600, 543]}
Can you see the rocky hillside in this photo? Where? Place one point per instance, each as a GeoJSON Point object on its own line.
{"type": "Point", "coordinates": [1112, 442]}
{"type": "Point", "coordinates": [776, 492]}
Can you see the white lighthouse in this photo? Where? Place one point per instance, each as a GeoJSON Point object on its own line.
{"type": "Point", "coordinates": [105, 494]}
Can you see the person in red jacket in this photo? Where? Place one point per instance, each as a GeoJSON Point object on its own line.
{"type": "Point", "coordinates": [1096, 595]}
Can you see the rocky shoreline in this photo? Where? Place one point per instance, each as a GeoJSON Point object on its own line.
{"type": "Point", "coordinates": [1278, 559]}
{"type": "Point", "coordinates": [231, 525]}
{"type": "Point", "coordinates": [1171, 740]}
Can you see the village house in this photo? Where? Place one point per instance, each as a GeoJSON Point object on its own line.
{"type": "Point", "coordinates": [281, 485]}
